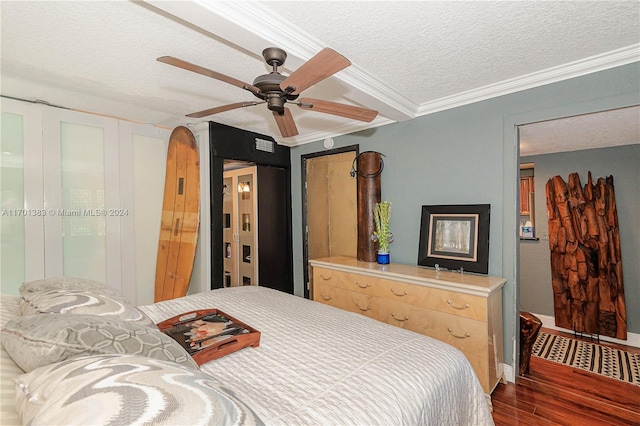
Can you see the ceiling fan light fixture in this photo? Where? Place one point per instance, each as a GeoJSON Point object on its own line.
{"type": "Point", "coordinates": [276, 103]}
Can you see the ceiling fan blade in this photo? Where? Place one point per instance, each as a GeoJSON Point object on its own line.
{"type": "Point", "coordinates": [285, 123]}
{"type": "Point", "coordinates": [222, 108]}
{"type": "Point", "coordinates": [342, 110]}
{"type": "Point", "coordinates": [207, 72]}
{"type": "Point", "coordinates": [324, 64]}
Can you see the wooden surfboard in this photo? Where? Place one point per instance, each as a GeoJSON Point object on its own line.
{"type": "Point", "coordinates": [180, 216]}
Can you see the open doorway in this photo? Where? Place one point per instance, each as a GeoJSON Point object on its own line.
{"type": "Point", "coordinates": [269, 261]}
{"type": "Point", "coordinates": [603, 143]}
{"type": "Point", "coordinates": [329, 204]}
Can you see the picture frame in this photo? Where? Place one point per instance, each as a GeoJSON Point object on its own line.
{"type": "Point", "coordinates": [455, 237]}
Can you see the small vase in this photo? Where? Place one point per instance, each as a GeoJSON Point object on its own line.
{"type": "Point", "coordinates": [383, 258]}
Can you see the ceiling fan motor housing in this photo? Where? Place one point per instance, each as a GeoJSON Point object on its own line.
{"type": "Point", "coordinates": [269, 83]}
{"type": "Point", "coordinates": [276, 103]}
{"type": "Point", "coordinates": [270, 91]}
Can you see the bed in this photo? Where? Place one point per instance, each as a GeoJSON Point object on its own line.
{"type": "Point", "coordinates": [320, 365]}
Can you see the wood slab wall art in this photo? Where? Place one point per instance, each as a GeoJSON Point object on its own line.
{"type": "Point", "coordinates": [586, 263]}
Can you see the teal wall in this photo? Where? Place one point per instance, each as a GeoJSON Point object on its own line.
{"type": "Point", "coordinates": [469, 155]}
{"type": "Point", "coordinates": [621, 162]}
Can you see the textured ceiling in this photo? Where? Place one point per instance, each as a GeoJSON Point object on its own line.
{"type": "Point", "coordinates": [604, 129]}
{"type": "Point", "coordinates": [409, 58]}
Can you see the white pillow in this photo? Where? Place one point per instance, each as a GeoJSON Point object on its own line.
{"type": "Point", "coordinates": [37, 340]}
{"type": "Point", "coordinates": [125, 389]}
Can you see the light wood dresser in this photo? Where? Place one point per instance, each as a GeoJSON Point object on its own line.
{"type": "Point", "coordinates": [464, 310]}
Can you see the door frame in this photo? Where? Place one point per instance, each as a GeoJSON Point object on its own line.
{"type": "Point", "coordinates": [230, 143]}
{"type": "Point", "coordinates": [305, 235]}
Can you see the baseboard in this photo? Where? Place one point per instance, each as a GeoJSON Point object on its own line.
{"type": "Point", "coordinates": [508, 373]}
{"type": "Point", "coordinates": [633, 339]}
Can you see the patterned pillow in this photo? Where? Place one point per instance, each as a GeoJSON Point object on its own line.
{"type": "Point", "coordinates": [37, 340]}
{"type": "Point", "coordinates": [78, 296]}
{"type": "Point", "coordinates": [67, 283]}
{"type": "Point", "coordinates": [125, 389]}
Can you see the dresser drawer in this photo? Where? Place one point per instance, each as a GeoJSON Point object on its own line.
{"type": "Point", "coordinates": [470, 336]}
{"type": "Point", "coordinates": [324, 293]}
{"type": "Point", "coordinates": [423, 301]}
{"type": "Point", "coordinates": [450, 302]}
{"type": "Point", "coordinates": [347, 281]}
{"type": "Point", "coordinates": [348, 300]}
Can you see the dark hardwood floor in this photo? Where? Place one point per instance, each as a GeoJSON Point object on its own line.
{"type": "Point", "coordinates": [554, 394]}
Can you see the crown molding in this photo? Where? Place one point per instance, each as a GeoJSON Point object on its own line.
{"type": "Point", "coordinates": [368, 90]}
{"type": "Point", "coordinates": [249, 25]}
{"type": "Point", "coordinates": [592, 64]}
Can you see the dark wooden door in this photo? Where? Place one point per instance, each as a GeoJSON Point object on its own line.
{"type": "Point", "coordinates": [273, 223]}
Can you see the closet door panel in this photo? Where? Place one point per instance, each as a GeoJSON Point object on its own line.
{"type": "Point", "coordinates": [143, 159]}
{"type": "Point", "coordinates": [22, 220]}
{"type": "Point", "coordinates": [82, 195]}
{"type": "Point", "coordinates": [12, 223]}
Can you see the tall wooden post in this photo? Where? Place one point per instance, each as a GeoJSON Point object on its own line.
{"type": "Point", "coordinates": [369, 167]}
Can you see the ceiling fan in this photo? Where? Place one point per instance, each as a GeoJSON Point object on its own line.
{"type": "Point", "coordinates": [276, 90]}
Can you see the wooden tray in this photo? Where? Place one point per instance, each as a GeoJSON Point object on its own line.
{"type": "Point", "coordinates": [235, 335]}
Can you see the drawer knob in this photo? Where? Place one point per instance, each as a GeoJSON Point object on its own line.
{"type": "Point", "coordinates": [367, 285]}
{"type": "Point", "coordinates": [458, 336]}
{"type": "Point", "coordinates": [465, 306]}
{"type": "Point", "coordinates": [326, 278]}
{"type": "Point", "coordinates": [397, 317]}
{"type": "Point", "coordinates": [404, 293]}
{"type": "Point", "coordinates": [327, 298]}
{"type": "Point", "coordinates": [366, 308]}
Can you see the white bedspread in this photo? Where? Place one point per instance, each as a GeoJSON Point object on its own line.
{"type": "Point", "coordinates": [321, 365]}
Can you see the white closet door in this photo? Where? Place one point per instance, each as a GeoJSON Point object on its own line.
{"type": "Point", "coordinates": [82, 196]}
{"type": "Point", "coordinates": [143, 158]}
{"type": "Point", "coordinates": [21, 219]}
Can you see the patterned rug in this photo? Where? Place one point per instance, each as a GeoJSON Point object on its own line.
{"type": "Point", "coordinates": [603, 360]}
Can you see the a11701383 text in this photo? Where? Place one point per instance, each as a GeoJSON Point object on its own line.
{"type": "Point", "coordinates": [65, 212]}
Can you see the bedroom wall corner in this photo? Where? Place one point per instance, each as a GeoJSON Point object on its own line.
{"type": "Point", "coordinates": [201, 275]}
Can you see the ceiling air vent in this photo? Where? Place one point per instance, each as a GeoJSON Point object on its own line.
{"type": "Point", "coordinates": [264, 145]}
